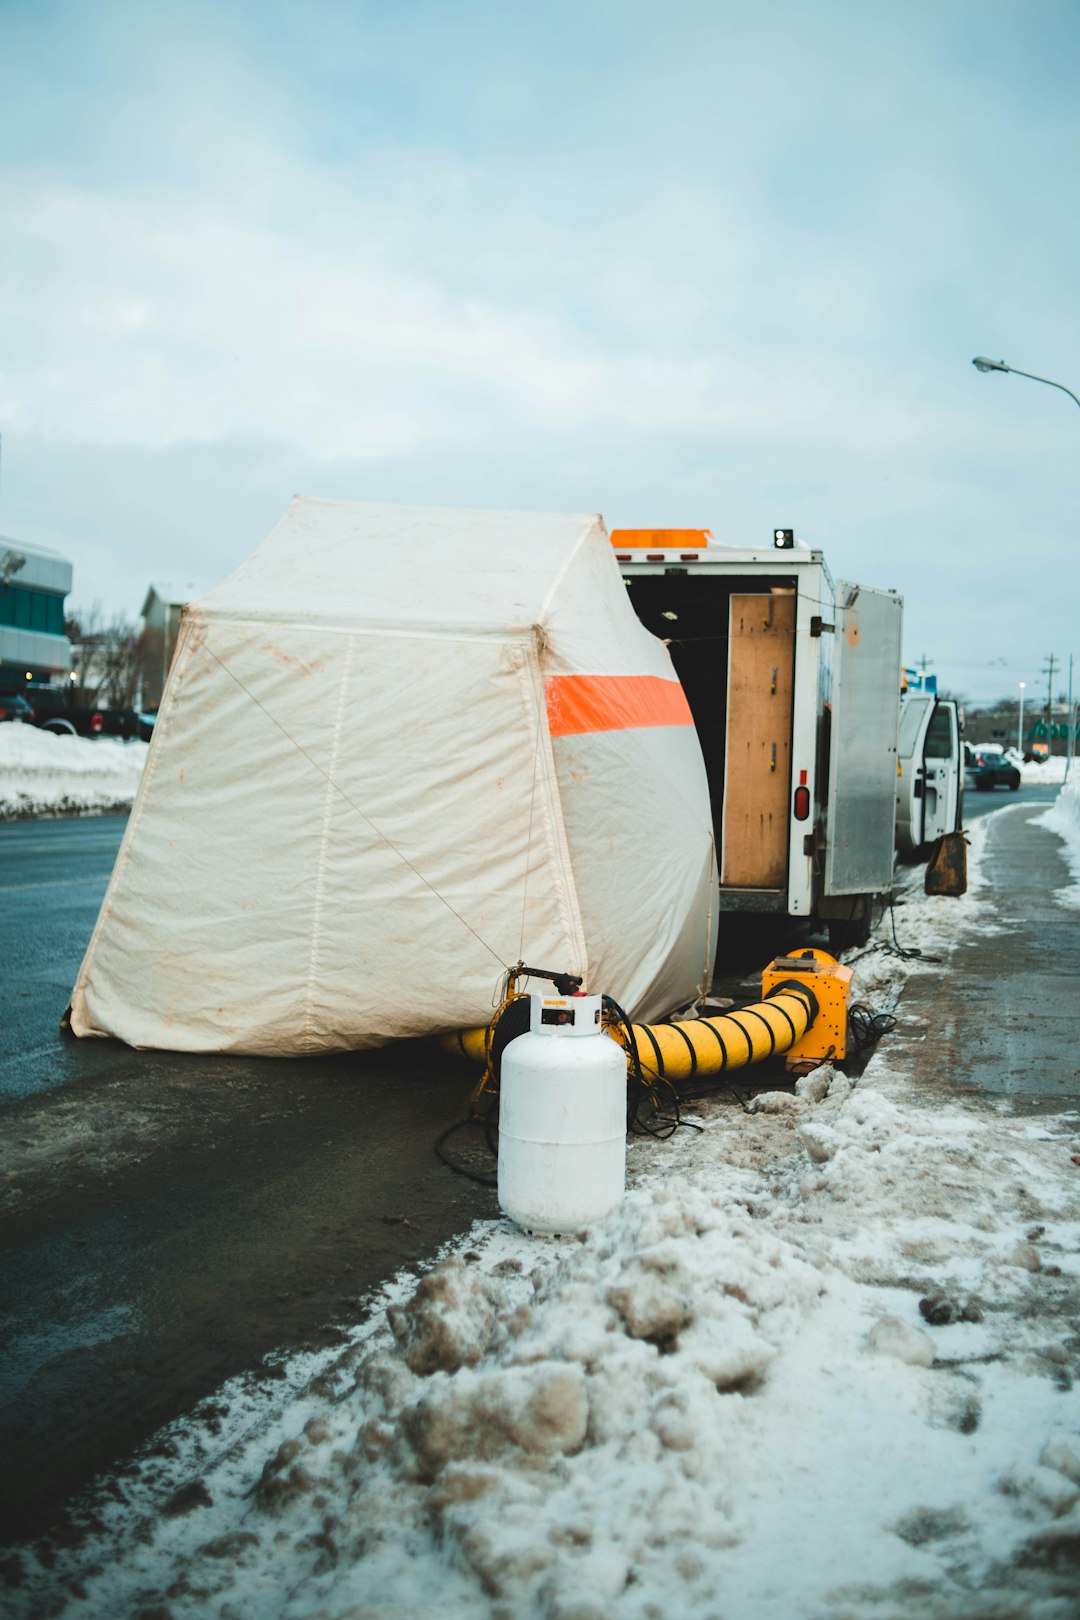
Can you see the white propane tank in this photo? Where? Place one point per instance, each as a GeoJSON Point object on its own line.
{"type": "Point", "coordinates": [562, 1118]}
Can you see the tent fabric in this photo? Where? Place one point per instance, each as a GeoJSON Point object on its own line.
{"type": "Point", "coordinates": [364, 800]}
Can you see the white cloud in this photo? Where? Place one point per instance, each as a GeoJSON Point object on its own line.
{"type": "Point", "coordinates": [709, 274]}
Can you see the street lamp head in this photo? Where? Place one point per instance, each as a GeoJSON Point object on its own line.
{"type": "Point", "coordinates": [981, 363]}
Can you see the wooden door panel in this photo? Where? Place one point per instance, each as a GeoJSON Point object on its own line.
{"type": "Point", "coordinates": [757, 778]}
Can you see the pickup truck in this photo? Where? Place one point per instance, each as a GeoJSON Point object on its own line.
{"type": "Point", "coordinates": [59, 710]}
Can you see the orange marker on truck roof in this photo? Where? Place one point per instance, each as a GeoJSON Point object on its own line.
{"type": "Point", "coordinates": [660, 539]}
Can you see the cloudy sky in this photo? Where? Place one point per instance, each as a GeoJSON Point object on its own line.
{"type": "Point", "coordinates": [718, 264]}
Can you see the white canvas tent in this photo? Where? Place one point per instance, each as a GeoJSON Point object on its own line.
{"type": "Point", "coordinates": [399, 749]}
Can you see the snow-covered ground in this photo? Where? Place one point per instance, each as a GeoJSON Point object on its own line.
{"type": "Point", "coordinates": [1063, 817]}
{"type": "Point", "coordinates": [820, 1365]}
{"type": "Point", "coordinates": [42, 774]}
{"type": "Point", "coordinates": [1051, 773]}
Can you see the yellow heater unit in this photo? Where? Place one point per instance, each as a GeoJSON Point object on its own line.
{"type": "Point", "coordinates": [829, 981]}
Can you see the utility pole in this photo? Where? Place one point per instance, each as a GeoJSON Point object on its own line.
{"type": "Point", "coordinates": [1049, 668]}
{"type": "Point", "coordinates": [1070, 724]}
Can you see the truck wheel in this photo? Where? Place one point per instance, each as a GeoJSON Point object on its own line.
{"type": "Point", "coordinates": [59, 728]}
{"type": "Point", "coordinates": [846, 933]}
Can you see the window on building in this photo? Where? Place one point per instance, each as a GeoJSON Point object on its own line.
{"type": "Point", "coordinates": [24, 609]}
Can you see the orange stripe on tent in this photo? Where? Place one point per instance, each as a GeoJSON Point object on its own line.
{"type": "Point", "coordinates": [580, 703]}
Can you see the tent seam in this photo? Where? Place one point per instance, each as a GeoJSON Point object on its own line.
{"type": "Point", "coordinates": [555, 827]}
{"type": "Point", "coordinates": [556, 584]}
{"type": "Point", "coordinates": [332, 792]}
{"type": "Point", "coordinates": [420, 630]}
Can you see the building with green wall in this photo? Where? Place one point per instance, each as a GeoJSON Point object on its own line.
{"type": "Point", "coordinates": [33, 584]}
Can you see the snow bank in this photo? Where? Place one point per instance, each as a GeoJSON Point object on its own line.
{"type": "Point", "coordinates": [814, 1383]}
{"type": "Point", "coordinates": [43, 774]}
{"type": "Point", "coordinates": [1063, 818]}
{"type": "Point", "coordinates": [1051, 772]}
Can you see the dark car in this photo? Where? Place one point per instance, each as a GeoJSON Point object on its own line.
{"type": "Point", "coordinates": [13, 706]}
{"type": "Point", "coordinates": [986, 768]}
{"type": "Point", "coordinates": [59, 709]}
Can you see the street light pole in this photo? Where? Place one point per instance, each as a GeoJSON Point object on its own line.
{"type": "Point", "coordinates": [1020, 722]}
{"type": "Point", "coordinates": [981, 363]}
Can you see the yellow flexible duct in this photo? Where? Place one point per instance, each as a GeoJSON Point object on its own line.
{"type": "Point", "coordinates": [700, 1045]}
{"type": "Point", "coordinates": [731, 1040]}
{"type": "Point", "coordinates": [470, 1043]}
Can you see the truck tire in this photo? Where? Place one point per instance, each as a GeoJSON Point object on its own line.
{"type": "Point", "coordinates": [59, 728]}
{"type": "Point", "coordinates": [847, 933]}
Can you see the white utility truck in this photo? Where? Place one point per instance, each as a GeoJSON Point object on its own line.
{"type": "Point", "coordinates": [793, 684]}
{"type": "Point", "coordinates": [930, 780]}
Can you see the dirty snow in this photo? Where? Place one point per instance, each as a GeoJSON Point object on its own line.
{"type": "Point", "coordinates": [42, 774]}
{"type": "Point", "coordinates": [822, 1362]}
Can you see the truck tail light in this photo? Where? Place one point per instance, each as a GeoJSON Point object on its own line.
{"type": "Point", "coordinates": [96, 722]}
{"type": "Point", "coordinates": [802, 802]}
{"type": "Point", "coordinates": [688, 556]}
{"type": "Point", "coordinates": [655, 556]}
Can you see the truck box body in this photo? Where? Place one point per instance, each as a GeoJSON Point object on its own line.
{"type": "Point", "coordinates": [793, 686]}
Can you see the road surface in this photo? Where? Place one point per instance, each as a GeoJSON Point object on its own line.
{"type": "Point", "coordinates": [979, 804]}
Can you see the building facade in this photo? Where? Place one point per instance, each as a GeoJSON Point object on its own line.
{"type": "Point", "coordinates": [161, 615]}
{"type": "Point", "coordinates": [33, 584]}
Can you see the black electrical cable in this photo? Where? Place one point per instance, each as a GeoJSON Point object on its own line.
{"type": "Point", "coordinates": [641, 1091]}
{"type": "Point", "coordinates": [460, 1169]}
{"type": "Point", "coordinates": [865, 1027]}
{"type": "Point", "coordinates": [906, 953]}
{"type": "Point", "coordinates": [703, 1090]}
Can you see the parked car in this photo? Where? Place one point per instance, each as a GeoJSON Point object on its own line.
{"type": "Point", "coordinates": [13, 706]}
{"type": "Point", "coordinates": [986, 767]}
{"type": "Point", "coordinates": [60, 710]}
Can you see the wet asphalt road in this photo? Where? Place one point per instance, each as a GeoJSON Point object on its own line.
{"type": "Point", "coordinates": [1004, 1021]}
{"type": "Point", "coordinates": [52, 881]}
{"type": "Point", "coordinates": [978, 804]}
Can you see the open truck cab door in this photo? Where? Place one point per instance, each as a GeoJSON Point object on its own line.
{"type": "Point", "coordinates": [930, 783]}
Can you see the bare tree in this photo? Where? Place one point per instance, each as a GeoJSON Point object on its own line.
{"type": "Point", "coordinates": [106, 656]}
